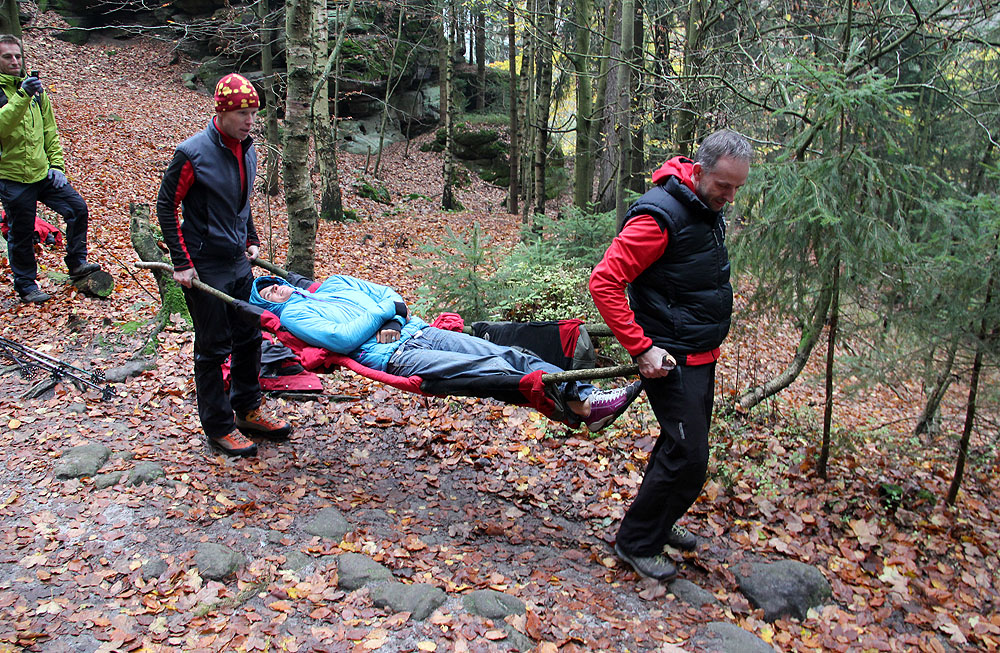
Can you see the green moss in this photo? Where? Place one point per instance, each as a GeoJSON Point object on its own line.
{"type": "Point", "coordinates": [364, 60]}
{"type": "Point", "coordinates": [131, 328]}
{"type": "Point", "coordinates": [173, 303]}
{"type": "Point", "coordinates": [379, 193]}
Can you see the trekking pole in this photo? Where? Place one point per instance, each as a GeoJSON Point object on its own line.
{"type": "Point", "coordinates": [29, 360]}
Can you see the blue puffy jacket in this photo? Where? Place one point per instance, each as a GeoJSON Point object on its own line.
{"type": "Point", "coordinates": [343, 315]}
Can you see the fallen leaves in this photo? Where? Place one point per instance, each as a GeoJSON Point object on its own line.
{"type": "Point", "coordinates": [463, 494]}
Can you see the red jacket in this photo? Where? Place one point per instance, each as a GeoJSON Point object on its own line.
{"type": "Point", "coordinates": [641, 243]}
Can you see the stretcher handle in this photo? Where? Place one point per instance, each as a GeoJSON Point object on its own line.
{"type": "Point", "coordinates": [195, 283]}
{"type": "Point", "coordinates": [590, 373]}
{"type": "Point", "coordinates": [597, 373]}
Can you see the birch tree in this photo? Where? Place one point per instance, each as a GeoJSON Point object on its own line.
{"type": "Point", "coordinates": [299, 192]}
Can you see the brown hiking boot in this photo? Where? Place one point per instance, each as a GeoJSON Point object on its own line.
{"type": "Point", "coordinates": [256, 423]}
{"type": "Point", "coordinates": [234, 444]}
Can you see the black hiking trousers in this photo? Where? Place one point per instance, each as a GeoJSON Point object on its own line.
{"type": "Point", "coordinates": [682, 402]}
{"type": "Point", "coordinates": [20, 202]}
{"type": "Point", "coordinates": [221, 331]}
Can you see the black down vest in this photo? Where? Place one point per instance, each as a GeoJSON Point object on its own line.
{"type": "Point", "coordinates": [683, 301]}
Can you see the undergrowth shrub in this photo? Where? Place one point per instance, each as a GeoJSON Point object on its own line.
{"type": "Point", "coordinates": [544, 277]}
{"type": "Point", "coordinates": [457, 276]}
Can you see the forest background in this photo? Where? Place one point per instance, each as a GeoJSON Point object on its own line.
{"type": "Point", "coordinates": [865, 244]}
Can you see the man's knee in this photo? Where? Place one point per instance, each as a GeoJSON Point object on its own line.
{"type": "Point", "coordinates": [246, 340]}
{"type": "Point", "coordinates": [68, 203]}
{"type": "Point", "coordinates": [77, 209]}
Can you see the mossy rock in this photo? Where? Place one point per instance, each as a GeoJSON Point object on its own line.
{"type": "Point", "coordinates": [475, 138]}
{"type": "Point", "coordinates": [470, 144]}
{"type": "Point", "coordinates": [74, 36]}
{"type": "Point", "coordinates": [378, 193]}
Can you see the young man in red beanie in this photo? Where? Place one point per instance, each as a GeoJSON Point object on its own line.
{"type": "Point", "coordinates": [211, 178]}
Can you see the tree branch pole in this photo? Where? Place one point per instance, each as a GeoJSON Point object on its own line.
{"type": "Point", "coordinates": [195, 283]}
{"type": "Point", "coordinates": [590, 373]}
{"type": "Point", "coordinates": [555, 377]}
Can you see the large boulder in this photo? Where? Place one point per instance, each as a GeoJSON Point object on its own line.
{"type": "Point", "coordinates": [417, 111]}
{"type": "Point", "coordinates": [783, 588]}
{"type": "Point", "coordinates": [362, 136]}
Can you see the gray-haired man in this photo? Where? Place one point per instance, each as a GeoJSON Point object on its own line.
{"type": "Point", "coordinates": [670, 258]}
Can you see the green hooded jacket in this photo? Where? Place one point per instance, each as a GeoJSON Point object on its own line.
{"type": "Point", "coordinates": [29, 139]}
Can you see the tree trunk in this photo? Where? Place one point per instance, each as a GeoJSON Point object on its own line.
{"type": "Point", "coordinates": [970, 406]}
{"type": "Point", "coordinates": [928, 417]}
{"type": "Point", "coordinates": [583, 182]}
{"type": "Point", "coordinates": [331, 205]}
{"type": "Point", "coordinates": [690, 112]}
{"type": "Point", "coordinates": [302, 215]}
{"type": "Point", "coordinates": [144, 239]}
{"type": "Point", "coordinates": [272, 173]}
{"type": "Point", "coordinates": [10, 18]}
{"type": "Point", "coordinates": [831, 349]}
{"type": "Point", "coordinates": [480, 19]}
{"type": "Point", "coordinates": [527, 123]}
{"type": "Point", "coordinates": [448, 192]}
{"type": "Point", "coordinates": [637, 158]}
{"type": "Point", "coordinates": [546, 43]}
{"type": "Point", "coordinates": [607, 94]}
{"type": "Point", "coordinates": [970, 419]}
{"type": "Point", "coordinates": [515, 141]}
{"type": "Point", "coordinates": [623, 111]}
{"type": "Point", "coordinates": [807, 341]}
{"type": "Point", "coordinates": [445, 55]}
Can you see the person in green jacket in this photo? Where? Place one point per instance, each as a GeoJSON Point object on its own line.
{"type": "Point", "coordinates": [32, 171]}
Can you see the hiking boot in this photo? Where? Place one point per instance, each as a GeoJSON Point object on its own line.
{"type": "Point", "coordinates": [681, 538]}
{"type": "Point", "coordinates": [657, 567]}
{"type": "Point", "coordinates": [256, 423]}
{"type": "Point", "coordinates": [83, 270]}
{"type": "Point", "coordinates": [607, 405]}
{"type": "Point", "coordinates": [234, 444]}
{"type": "Point", "coordinates": [36, 296]}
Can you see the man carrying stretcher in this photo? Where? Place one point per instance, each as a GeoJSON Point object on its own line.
{"type": "Point", "coordinates": [370, 324]}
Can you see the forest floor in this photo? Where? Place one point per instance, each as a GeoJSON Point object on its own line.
{"type": "Point", "coordinates": [461, 494]}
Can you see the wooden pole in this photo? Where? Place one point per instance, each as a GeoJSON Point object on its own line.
{"type": "Point", "coordinates": [195, 283]}
{"type": "Point", "coordinates": [548, 379]}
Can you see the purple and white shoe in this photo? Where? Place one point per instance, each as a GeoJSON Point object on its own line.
{"type": "Point", "coordinates": [607, 405]}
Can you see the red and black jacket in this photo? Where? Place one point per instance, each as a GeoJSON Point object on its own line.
{"type": "Point", "coordinates": [671, 255]}
{"type": "Point", "coordinates": [211, 176]}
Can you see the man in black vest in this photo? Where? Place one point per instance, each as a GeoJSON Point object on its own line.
{"type": "Point", "coordinates": [211, 176]}
{"type": "Point", "coordinates": [670, 256]}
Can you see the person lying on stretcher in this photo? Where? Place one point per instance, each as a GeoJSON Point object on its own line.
{"type": "Point", "coordinates": [370, 323]}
